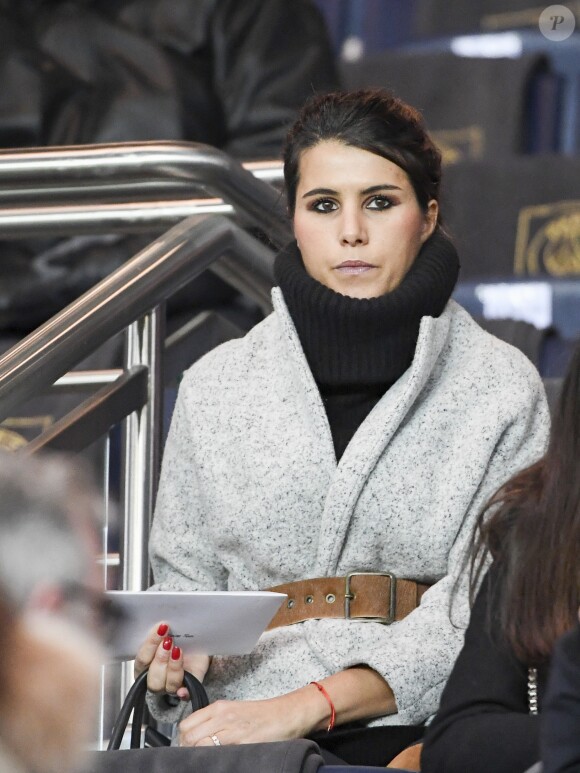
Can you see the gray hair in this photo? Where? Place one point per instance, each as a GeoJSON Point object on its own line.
{"type": "Point", "coordinates": [48, 509]}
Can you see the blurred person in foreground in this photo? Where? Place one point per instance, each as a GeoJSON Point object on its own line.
{"type": "Point", "coordinates": [529, 599]}
{"type": "Point", "coordinates": [52, 614]}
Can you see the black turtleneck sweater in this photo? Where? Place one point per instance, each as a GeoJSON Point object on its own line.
{"type": "Point", "coordinates": [357, 348]}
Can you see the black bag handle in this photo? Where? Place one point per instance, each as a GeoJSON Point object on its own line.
{"type": "Point", "coordinates": [135, 702]}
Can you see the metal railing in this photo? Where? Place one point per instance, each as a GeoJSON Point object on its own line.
{"type": "Point", "coordinates": [128, 189]}
{"type": "Point", "coordinates": [132, 295]}
{"type": "Point", "coordinates": [131, 188]}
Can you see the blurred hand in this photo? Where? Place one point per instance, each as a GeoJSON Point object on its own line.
{"type": "Point", "coordinates": [166, 663]}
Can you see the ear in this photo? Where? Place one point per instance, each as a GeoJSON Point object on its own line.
{"type": "Point", "coordinates": [430, 220]}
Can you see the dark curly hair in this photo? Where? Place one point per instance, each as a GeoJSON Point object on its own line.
{"type": "Point", "coordinates": [370, 119]}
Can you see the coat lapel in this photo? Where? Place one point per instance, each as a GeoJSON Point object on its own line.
{"type": "Point", "coordinates": [370, 441]}
{"type": "Point", "coordinates": [372, 437]}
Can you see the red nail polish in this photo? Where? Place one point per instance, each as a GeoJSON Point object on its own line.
{"type": "Point", "coordinates": [175, 653]}
{"type": "Point", "coordinates": [167, 643]}
{"type": "Point", "coordinates": [162, 630]}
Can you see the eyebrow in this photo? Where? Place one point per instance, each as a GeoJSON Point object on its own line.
{"type": "Point", "coordinates": [331, 192]}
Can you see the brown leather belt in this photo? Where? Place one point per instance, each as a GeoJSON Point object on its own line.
{"type": "Point", "coordinates": [376, 596]}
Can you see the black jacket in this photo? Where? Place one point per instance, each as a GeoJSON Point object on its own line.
{"type": "Point", "coordinates": [483, 724]}
{"type": "Point", "coordinates": [229, 73]}
{"type": "Point", "coordinates": [561, 717]}
{"type": "Point", "coordinates": [223, 72]}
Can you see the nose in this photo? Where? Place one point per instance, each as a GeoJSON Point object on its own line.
{"type": "Point", "coordinates": [353, 229]}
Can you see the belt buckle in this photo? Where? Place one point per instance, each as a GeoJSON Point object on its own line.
{"type": "Point", "coordinates": [348, 596]}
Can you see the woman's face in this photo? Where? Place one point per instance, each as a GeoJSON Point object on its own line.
{"type": "Point", "coordinates": [357, 221]}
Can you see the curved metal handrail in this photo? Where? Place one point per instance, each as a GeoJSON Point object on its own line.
{"type": "Point", "coordinates": [100, 166]}
{"type": "Point", "coordinates": [103, 218]}
{"type": "Point", "coordinates": [142, 283]}
{"type": "Point", "coordinates": [26, 191]}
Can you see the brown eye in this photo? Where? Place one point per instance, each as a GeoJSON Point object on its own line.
{"type": "Point", "coordinates": [379, 203]}
{"type": "Point", "coordinates": [324, 205]}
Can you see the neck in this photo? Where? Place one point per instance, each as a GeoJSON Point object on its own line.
{"type": "Point", "coordinates": [352, 341]}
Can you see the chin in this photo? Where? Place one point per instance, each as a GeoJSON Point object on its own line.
{"type": "Point", "coordinates": [360, 290]}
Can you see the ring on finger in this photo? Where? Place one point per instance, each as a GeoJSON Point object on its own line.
{"type": "Point", "coordinates": [215, 739]}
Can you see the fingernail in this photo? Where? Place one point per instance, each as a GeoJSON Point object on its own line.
{"type": "Point", "coordinates": [162, 630]}
{"type": "Point", "coordinates": [175, 653]}
{"type": "Point", "coordinates": [167, 643]}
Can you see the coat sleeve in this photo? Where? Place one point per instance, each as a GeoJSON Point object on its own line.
{"type": "Point", "coordinates": [269, 58]}
{"type": "Point", "coordinates": [178, 545]}
{"type": "Point", "coordinates": [179, 550]}
{"type": "Point", "coordinates": [416, 655]}
{"type": "Point", "coordinates": [484, 699]}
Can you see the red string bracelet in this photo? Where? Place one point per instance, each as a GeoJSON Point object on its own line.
{"type": "Point", "coordinates": [330, 703]}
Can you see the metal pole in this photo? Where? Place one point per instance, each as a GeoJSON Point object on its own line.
{"type": "Point", "coordinates": [141, 441]}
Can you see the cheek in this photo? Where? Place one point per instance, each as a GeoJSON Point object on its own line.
{"type": "Point", "coordinates": [409, 222]}
{"type": "Point", "coordinates": [414, 225]}
{"type": "Point", "coordinates": [308, 230]}
{"type": "Point", "coordinates": [313, 239]}
{"type": "Point", "coordinates": [401, 238]}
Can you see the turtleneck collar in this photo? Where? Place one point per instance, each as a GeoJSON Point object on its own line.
{"type": "Point", "coordinates": [371, 341]}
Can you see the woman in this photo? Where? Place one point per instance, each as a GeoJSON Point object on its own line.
{"type": "Point", "coordinates": [488, 719]}
{"type": "Point", "coordinates": [52, 616]}
{"type": "Point", "coordinates": [359, 428]}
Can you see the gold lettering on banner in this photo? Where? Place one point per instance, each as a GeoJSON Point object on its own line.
{"type": "Point", "coordinates": [528, 17]}
{"type": "Point", "coordinates": [459, 144]}
{"type": "Point", "coordinates": [548, 239]}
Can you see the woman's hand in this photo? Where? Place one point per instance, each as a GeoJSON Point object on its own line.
{"type": "Point", "coordinates": [356, 693]}
{"type": "Point", "coordinates": [235, 722]}
{"type": "Point", "coordinates": [166, 663]}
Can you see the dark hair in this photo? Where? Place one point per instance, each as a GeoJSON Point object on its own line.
{"type": "Point", "coordinates": [369, 119]}
{"type": "Point", "coordinates": [533, 538]}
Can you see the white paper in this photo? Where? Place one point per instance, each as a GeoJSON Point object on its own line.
{"type": "Point", "coordinates": [213, 623]}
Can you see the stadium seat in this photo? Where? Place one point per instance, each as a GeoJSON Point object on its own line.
{"type": "Point", "coordinates": [553, 109]}
{"type": "Point", "coordinates": [517, 216]}
{"type": "Point", "coordinates": [495, 118]}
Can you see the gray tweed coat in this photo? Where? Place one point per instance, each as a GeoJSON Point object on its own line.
{"type": "Point", "coordinates": [251, 495]}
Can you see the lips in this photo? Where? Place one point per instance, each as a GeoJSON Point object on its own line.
{"type": "Point", "coordinates": [354, 267]}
